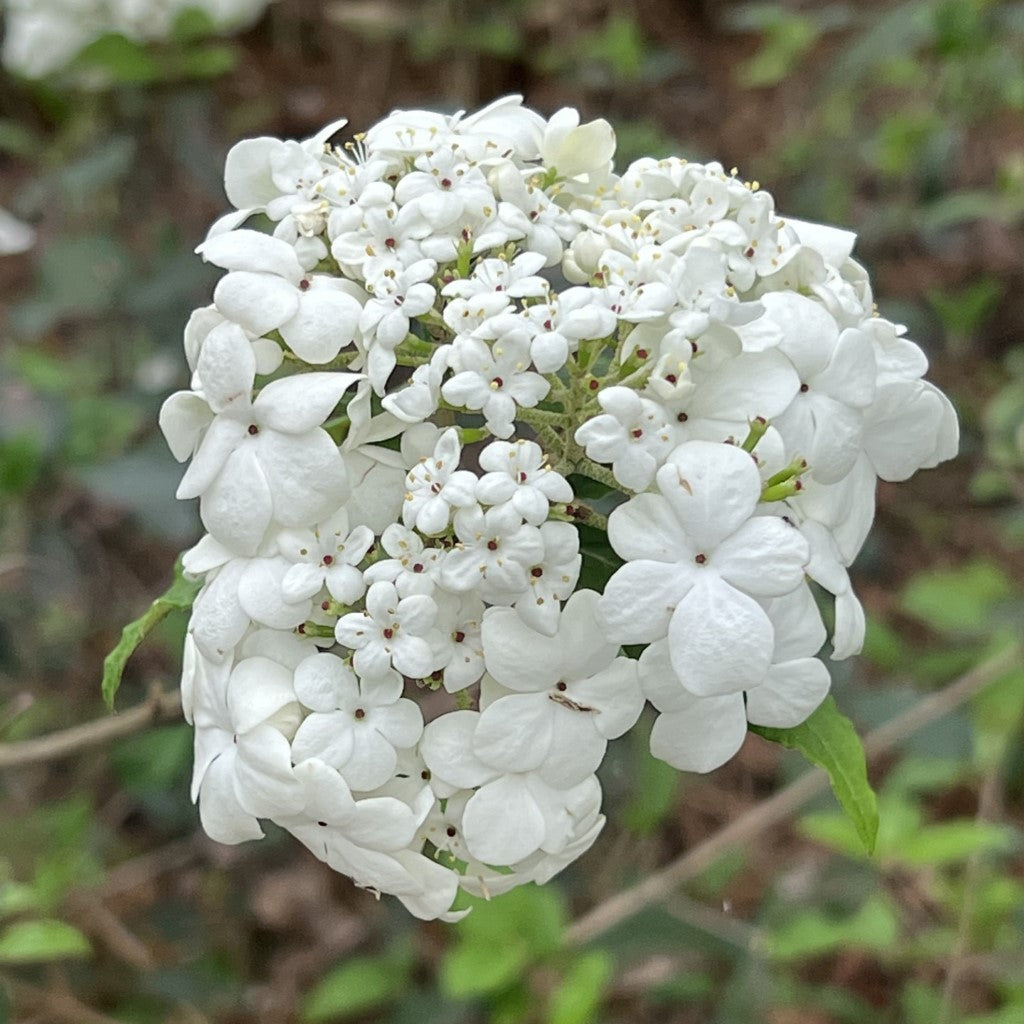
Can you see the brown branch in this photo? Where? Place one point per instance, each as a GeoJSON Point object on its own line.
{"type": "Point", "coordinates": [160, 707]}
{"type": "Point", "coordinates": [660, 885]}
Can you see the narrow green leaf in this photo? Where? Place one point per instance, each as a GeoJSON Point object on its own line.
{"type": "Point", "coordinates": [40, 940]}
{"type": "Point", "coordinates": [829, 740]}
{"type": "Point", "coordinates": [360, 984]}
{"type": "Point", "coordinates": [178, 597]}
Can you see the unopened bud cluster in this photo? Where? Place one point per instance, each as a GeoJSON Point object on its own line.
{"type": "Point", "coordinates": [420, 338]}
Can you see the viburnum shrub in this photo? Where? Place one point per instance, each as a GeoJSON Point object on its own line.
{"type": "Point", "coordinates": [469, 412]}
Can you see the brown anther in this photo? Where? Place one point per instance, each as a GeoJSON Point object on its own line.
{"type": "Point", "coordinates": [325, 605]}
{"type": "Point", "coordinates": [322, 824]}
{"type": "Point", "coordinates": [693, 347]}
{"type": "Point", "coordinates": [388, 633]}
{"type": "Point", "coordinates": [536, 572]}
{"type": "Point", "coordinates": [328, 559]}
{"type": "Point", "coordinates": [804, 388]}
{"type": "Point", "coordinates": [253, 429]}
{"type": "Point", "coordinates": [594, 385]}
{"type": "Point", "coordinates": [700, 559]}
{"type": "Point", "coordinates": [300, 628]}
{"type": "Point", "coordinates": [682, 418]}
{"type": "Point", "coordinates": [671, 378]}
{"type": "Point", "coordinates": [458, 636]}
{"type": "Point", "coordinates": [749, 253]}
{"type": "Point", "coordinates": [450, 832]}
{"type": "Point", "coordinates": [304, 285]}
{"type": "Point", "coordinates": [390, 243]}
{"type": "Point", "coordinates": [641, 353]}
{"type": "Point", "coordinates": [637, 432]}
{"type": "Point", "coordinates": [435, 488]}
{"type": "Point", "coordinates": [561, 686]}
{"type": "Point", "coordinates": [418, 567]}
{"type": "Point", "coordinates": [360, 713]}
{"type": "Point", "coordinates": [446, 182]}
{"type": "Point", "coordinates": [492, 545]}
{"type": "Point", "coordinates": [498, 381]}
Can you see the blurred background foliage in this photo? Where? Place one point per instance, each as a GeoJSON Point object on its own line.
{"type": "Point", "coordinates": [904, 121]}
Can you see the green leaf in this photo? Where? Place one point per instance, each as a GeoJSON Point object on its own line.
{"type": "Point", "coordinates": [952, 842]}
{"type": "Point", "coordinates": [813, 933]}
{"type": "Point", "coordinates": [178, 597]}
{"type": "Point", "coordinates": [473, 969]}
{"type": "Point", "coordinates": [39, 940]}
{"type": "Point", "coordinates": [829, 740]}
{"type": "Point", "coordinates": [358, 985]}
{"type": "Point", "coordinates": [577, 999]}
{"type": "Point", "coordinates": [499, 939]}
{"type": "Point", "coordinates": [959, 600]}
{"type": "Point", "coordinates": [125, 60]}
{"type": "Point", "coordinates": [16, 898]}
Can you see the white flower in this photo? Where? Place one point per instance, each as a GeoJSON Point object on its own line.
{"type": "Point", "coordinates": [695, 561]}
{"type": "Point", "coordinates": [519, 474]}
{"type": "Point", "coordinates": [552, 579]}
{"type": "Point", "coordinates": [494, 379]}
{"type": "Point", "coordinates": [633, 434]}
{"type": "Point", "coordinates": [398, 294]}
{"type": "Point", "coordinates": [391, 632]}
{"type": "Point", "coordinates": [699, 734]}
{"type": "Point", "coordinates": [356, 723]}
{"type": "Point", "coordinates": [494, 553]}
{"type": "Point", "coordinates": [267, 289]}
{"type": "Point", "coordinates": [514, 279]}
{"type": "Point", "coordinates": [326, 556]}
{"type": "Point", "coordinates": [575, 150]}
{"type": "Point", "coordinates": [243, 769]}
{"type": "Point", "coordinates": [825, 422]}
{"type": "Point", "coordinates": [435, 485]}
{"type": "Point", "coordinates": [374, 229]}
{"type": "Point", "coordinates": [562, 322]}
{"type": "Point", "coordinates": [572, 694]}
{"type": "Point", "coordinates": [421, 397]}
{"type": "Point", "coordinates": [460, 645]}
{"type": "Point", "coordinates": [413, 568]}
{"type": "Point", "coordinates": [255, 461]}
{"type": "Point", "coordinates": [510, 816]}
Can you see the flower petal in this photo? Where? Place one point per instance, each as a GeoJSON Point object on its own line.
{"type": "Point", "coordinates": [502, 823]}
{"type": "Point", "coordinates": [720, 640]}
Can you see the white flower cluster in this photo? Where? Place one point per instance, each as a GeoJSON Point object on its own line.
{"type": "Point", "coordinates": [389, 656]}
{"type": "Point", "coordinates": [43, 36]}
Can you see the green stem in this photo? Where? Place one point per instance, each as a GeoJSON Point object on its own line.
{"type": "Point", "coordinates": [781, 491]}
{"type": "Point", "coordinates": [315, 629]}
{"type": "Point", "coordinates": [758, 426]}
{"type": "Point", "coordinates": [577, 512]}
{"type": "Point", "coordinates": [795, 468]}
